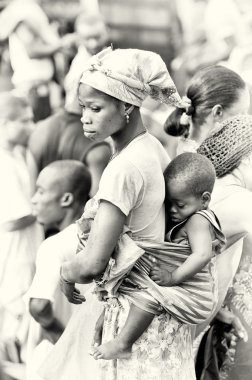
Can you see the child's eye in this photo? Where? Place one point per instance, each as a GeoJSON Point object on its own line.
{"type": "Point", "coordinates": [180, 206]}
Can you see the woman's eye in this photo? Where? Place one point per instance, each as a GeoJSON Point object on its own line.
{"type": "Point", "coordinates": [95, 109]}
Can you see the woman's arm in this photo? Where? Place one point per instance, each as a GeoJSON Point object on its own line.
{"type": "Point", "coordinates": [91, 262]}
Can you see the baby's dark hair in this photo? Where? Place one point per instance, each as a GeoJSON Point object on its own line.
{"type": "Point", "coordinates": [194, 171]}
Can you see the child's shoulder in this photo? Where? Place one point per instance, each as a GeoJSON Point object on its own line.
{"type": "Point", "coordinates": [199, 219]}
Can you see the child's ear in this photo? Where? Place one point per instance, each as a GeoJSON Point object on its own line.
{"type": "Point", "coordinates": [206, 198]}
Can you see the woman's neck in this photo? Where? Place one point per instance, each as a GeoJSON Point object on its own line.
{"type": "Point", "coordinates": [129, 132]}
{"type": "Point", "coordinates": [199, 133]}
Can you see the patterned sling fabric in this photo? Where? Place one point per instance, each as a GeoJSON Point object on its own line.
{"type": "Point", "coordinates": [190, 302]}
{"type": "Point", "coordinates": [127, 273]}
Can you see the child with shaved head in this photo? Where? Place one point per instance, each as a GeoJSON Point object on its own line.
{"type": "Point", "coordinates": [181, 277]}
{"type": "Point", "coordinates": [189, 181]}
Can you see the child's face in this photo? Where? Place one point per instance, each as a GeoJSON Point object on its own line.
{"type": "Point", "coordinates": [182, 202]}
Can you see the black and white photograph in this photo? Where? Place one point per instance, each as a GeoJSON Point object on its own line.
{"type": "Point", "coordinates": [126, 190]}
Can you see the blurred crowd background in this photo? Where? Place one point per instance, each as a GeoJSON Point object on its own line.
{"type": "Point", "coordinates": [188, 34]}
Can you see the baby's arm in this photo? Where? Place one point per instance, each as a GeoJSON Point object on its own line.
{"type": "Point", "coordinates": [200, 240]}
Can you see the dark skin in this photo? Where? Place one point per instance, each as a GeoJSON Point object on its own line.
{"type": "Point", "coordinates": [42, 312]}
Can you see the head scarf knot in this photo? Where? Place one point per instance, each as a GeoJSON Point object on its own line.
{"type": "Point", "coordinates": [131, 75]}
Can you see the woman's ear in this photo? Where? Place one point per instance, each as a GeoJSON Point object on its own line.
{"type": "Point", "coordinates": [66, 200]}
{"type": "Point", "coordinates": [205, 198]}
{"type": "Point", "coordinates": [217, 112]}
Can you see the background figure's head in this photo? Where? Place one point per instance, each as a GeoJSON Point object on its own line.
{"type": "Point", "coordinates": [16, 119]}
{"type": "Point", "coordinates": [61, 192]}
{"type": "Point", "coordinates": [214, 93]}
{"type": "Point", "coordinates": [92, 31]}
{"type": "Point", "coordinates": [189, 180]}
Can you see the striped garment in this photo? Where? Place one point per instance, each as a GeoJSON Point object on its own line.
{"type": "Point", "coordinates": [127, 272]}
{"type": "Point", "coordinates": [190, 302]}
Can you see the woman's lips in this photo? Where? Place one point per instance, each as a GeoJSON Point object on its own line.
{"type": "Point", "coordinates": [88, 131]}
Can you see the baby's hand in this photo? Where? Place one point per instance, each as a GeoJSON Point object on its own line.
{"type": "Point", "coordinates": [161, 276]}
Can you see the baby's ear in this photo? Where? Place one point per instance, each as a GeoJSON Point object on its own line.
{"type": "Point", "coordinates": [206, 198]}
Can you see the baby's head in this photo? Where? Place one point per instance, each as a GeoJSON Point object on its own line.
{"type": "Point", "coordinates": [189, 182]}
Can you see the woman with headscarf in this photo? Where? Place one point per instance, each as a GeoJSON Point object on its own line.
{"type": "Point", "coordinates": [111, 90]}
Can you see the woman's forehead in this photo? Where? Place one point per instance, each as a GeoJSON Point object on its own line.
{"type": "Point", "coordinates": [89, 94]}
{"type": "Point", "coordinates": [86, 92]}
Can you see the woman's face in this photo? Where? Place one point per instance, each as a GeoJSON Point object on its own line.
{"type": "Point", "coordinates": [102, 116]}
{"type": "Point", "coordinates": [240, 107]}
{"type": "Point", "coordinates": [218, 115]}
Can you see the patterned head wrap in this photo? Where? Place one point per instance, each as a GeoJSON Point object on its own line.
{"type": "Point", "coordinates": [131, 75]}
{"type": "Point", "coordinates": [227, 147]}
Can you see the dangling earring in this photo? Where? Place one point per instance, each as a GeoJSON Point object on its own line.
{"type": "Point", "coordinates": [128, 112]}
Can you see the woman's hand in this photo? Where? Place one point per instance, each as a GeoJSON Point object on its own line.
{"type": "Point", "coordinates": [227, 316]}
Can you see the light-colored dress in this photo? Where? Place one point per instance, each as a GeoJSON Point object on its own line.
{"type": "Point", "coordinates": [164, 351]}
{"type": "Point", "coordinates": [233, 201]}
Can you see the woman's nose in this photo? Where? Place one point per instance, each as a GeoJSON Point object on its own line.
{"type": "Point", "coordinates": [85, 119]}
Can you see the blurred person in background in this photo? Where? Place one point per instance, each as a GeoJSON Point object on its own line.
{"type": "Point", "coordinates": [92, 37]}
{"type": "Point", "coordinates": [32, 45]}
{"type": "Point", "coordinates": [221, 28]}
{"type": "Point", "coordinates": [62, 190]}
{"type": "Point", "coordinates": [19, 234]}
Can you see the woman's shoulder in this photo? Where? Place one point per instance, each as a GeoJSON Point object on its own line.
{"type": "Point", "coordinates": [121, 169]}
{"type": "Point", "coordinates": [147, 152]}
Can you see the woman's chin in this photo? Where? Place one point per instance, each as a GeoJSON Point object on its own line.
{"type": "Point", "coordinates": [90, 135]}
